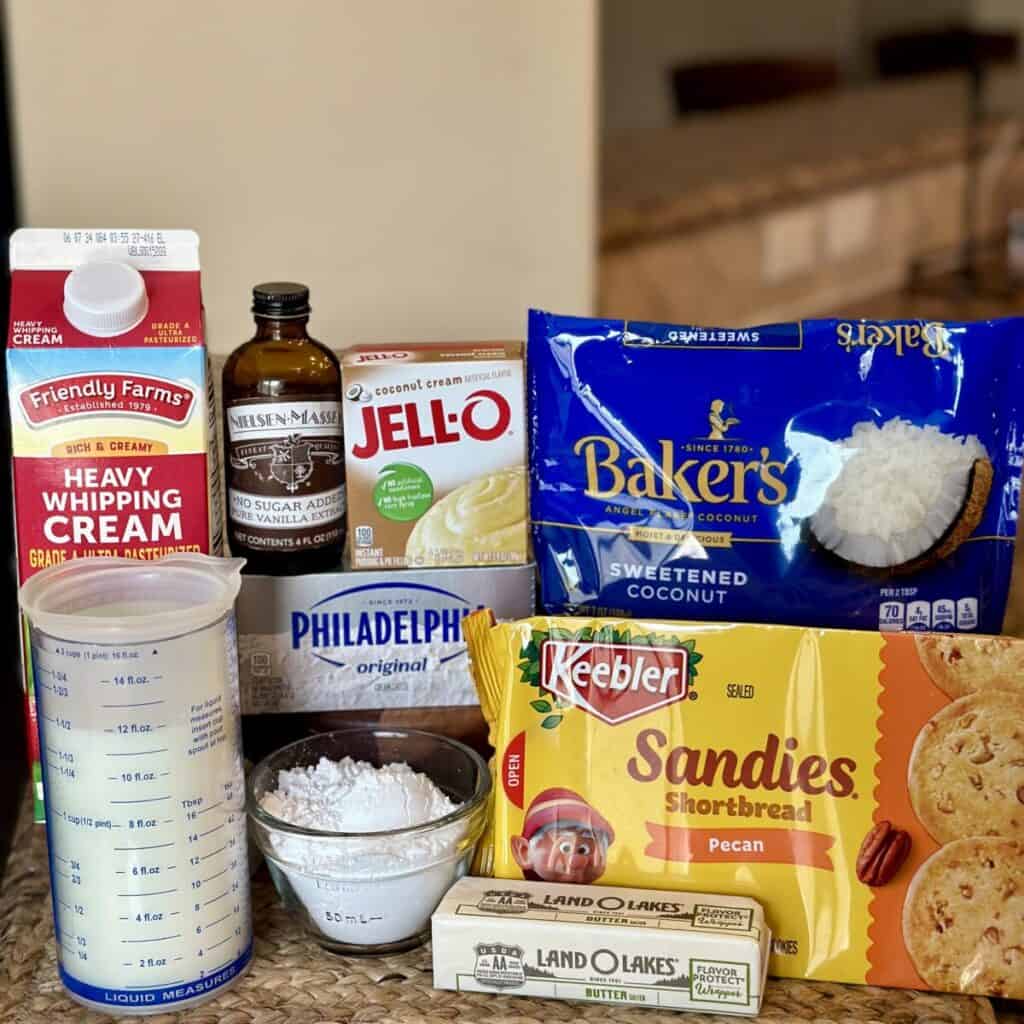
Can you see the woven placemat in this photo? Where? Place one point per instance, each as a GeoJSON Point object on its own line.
{"type": "Point", "coordinates": [293, 981]}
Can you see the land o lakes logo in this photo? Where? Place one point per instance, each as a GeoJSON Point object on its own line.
{"type": "Point", "coordinates": [607, 672]}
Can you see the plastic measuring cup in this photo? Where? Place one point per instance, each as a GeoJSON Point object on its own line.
{"type": "Point", "coordinates": [136, 679]}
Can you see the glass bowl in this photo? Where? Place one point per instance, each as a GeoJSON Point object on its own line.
{"type": "Point", "coordinates": [372, 892]}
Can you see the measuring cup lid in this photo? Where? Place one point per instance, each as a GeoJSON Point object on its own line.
{"type": "Point", "coordinates": [125, 600]}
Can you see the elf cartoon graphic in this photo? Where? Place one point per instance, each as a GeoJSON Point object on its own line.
{"type": "Point", "coordinates": [564, 839]}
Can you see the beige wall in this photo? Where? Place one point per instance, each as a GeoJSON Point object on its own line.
{"type": "Point", "coordinates": [427, 166]}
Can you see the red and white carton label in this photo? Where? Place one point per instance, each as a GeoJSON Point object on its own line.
{"type": "Point", "coordinates": [113, 438]}
{"type": "Point", "coordinates": [104, 394]}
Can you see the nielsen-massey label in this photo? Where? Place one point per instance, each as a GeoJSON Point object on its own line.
{"type": "Point", "coordinates": [285, 490]}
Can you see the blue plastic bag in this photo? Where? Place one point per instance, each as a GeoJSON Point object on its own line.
{"type": "Point", "coordinates": [837, 473]}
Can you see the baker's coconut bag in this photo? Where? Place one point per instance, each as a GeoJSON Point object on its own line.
{"type": "Point", "coordinates": [846, 473]}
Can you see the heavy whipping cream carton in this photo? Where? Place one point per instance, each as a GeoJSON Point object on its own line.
{"type": "Point", "coordinates": [435, 455]}
{"type": "Point", "coordinates": [111, 401]}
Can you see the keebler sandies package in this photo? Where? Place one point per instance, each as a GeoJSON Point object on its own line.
{"type": "Point", "coordinates": [845, 473]}
{"type": "Point", "coordinates": [866, 788]}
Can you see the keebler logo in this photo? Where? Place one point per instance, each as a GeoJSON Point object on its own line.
{"type": "Point", "coordinates": [92, 394]}
{"type": "Point", "coordinates": [615, 682]}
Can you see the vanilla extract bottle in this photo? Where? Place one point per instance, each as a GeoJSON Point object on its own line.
{"type": "Point", "coordinates": [283, 456]}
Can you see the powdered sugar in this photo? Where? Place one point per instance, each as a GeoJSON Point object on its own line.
{"type": "Point", "coordinates": [354, 796]}
{"type": "Point", "coordinates": [363, 890]}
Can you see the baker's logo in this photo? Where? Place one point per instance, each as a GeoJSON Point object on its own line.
{"type": "Point", "coordinates": [615, 682]}
{"type": "Point", "coordinates": [484, 416]}
{"type": "Point", "coordinates": [105, 394]}
{"type": "Point", "coordinates": [499, 965]}
{"type": "Point", "coordinates": [932, 339]}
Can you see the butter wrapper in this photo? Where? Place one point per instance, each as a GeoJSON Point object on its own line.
{"type": "Point", "coordinates": [637, 947]}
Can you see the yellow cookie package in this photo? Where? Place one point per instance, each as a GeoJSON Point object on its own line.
{"type": "Point", "coordinates": [867, 788]}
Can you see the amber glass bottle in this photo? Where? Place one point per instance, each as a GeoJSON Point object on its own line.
{"type": "Point", "coordinates": [283, 456]}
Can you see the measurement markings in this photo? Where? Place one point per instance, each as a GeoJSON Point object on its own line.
{"type": "Point", "coordinates": [214, 970]}
{"type": "Point", "coordinates": [124, 919]}
{"type": "Point", "coordinates": [159, 892]}
{"type": "Point", "coordinates": [66, 906]}
{"type": "Point", "coordinates": [215, 898]}
{"type": "Point", "coordinates": [214, 853]}
{"type": "Point", "coordinates": [133, 849]}
{"type": "Point", "coordinates": [141, 704]}
{"type": "Point", "coordinates": [212, 807]}
{"type": "Point", "coordinates": [158, 938]}
{"type": "Point", "coordinates": [212, 877]}
{"type": "Point", "coordinates": [213, 924]}
{"type": "Point", "coordinates": [138, 753]}
{"type": "Point", "coordinates": [210, 831]}
{"type": "Point", "coordinates": [146, 800]}
{"type": "Point", "coordinates": [63, 874]}
{"type": "Point", "coordinates": [63, 860]}
{"type": "Point", "coordinates": [55, 767]}
{"type": "Point", "coordinates": [210, 949]}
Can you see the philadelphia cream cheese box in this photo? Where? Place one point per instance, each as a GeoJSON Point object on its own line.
{"type": "Point", "coordinates": [360, 641]}
{"type": "Point", "coordinates": [636, 947]}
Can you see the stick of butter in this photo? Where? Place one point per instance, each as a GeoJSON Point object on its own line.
{"type": "Point", "coordinates": [679, 951]}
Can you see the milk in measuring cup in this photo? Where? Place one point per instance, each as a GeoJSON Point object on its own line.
{"type": "Point", "coordinates": [136, 679]}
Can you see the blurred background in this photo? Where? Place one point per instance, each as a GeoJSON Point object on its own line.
{"type": "Point", "coordinates": [432, 167]}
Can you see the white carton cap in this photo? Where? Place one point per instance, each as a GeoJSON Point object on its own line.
{"type": "Point", "coordinates": [105, 298]}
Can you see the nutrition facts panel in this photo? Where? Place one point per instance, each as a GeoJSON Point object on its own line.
{"type": "Point", "coordinates": [945, 614]}
{"type": "Point", "coordinates": [145, 816]}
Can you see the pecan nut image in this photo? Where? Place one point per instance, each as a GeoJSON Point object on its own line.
{"type": "Point", "coordinates": [882, 853]}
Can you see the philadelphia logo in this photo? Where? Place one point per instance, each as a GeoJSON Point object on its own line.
{"type": "Point", "coordinates": [380, 614]}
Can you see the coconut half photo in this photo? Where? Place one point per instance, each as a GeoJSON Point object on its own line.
{"type": "Point", "coordinates": [905, 496]}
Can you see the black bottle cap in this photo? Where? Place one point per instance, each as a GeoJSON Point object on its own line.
{"type": "Point", "coordinates": [280, 300]}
